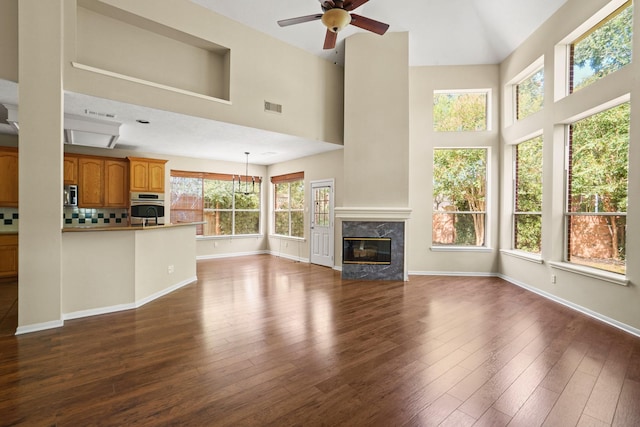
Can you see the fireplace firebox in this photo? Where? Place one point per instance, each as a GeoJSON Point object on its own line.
{"type": "Point", "coordinates": [366, 250]}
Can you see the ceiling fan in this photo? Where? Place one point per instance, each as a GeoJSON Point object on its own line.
{"type": "Point", "coordinates": [336, 16]}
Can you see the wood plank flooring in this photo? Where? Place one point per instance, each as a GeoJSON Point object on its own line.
{"type": "Point", "coordinates": [265, 341]}
{"type": "Point", "coordinates": [8, 307]}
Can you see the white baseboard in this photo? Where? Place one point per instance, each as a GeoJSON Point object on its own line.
{"type": "Point", "coordinates": [97, 311]}
{"type": "Point", "coordinates": [230, 255]}
{"type": "Point", "coordinates": [102, 310]}
{"type": "Point", "coordinates": [576, 307]}
{"type": "Point", "coordinates": [39, 327]}
{"type": "Point", "coordinates": [451, 273]}
{"type": "Point", "coordinates": [291, 257]}
{"type": "Point", "coordinates": [165, 291]}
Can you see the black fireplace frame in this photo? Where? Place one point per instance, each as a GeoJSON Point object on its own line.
{"type": "Point", "coordinates": [382, 250]}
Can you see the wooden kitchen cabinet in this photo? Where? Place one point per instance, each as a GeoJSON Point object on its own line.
{"type": "Point", "coordinates": [116, 188]}
{"type": "Point", "coordinates": [146, 174]}
{"type": "Point", "coordinates": [70, 170]}
{"type": "Point", "coordinates": [90, 182]}
{"type": "Point", "coordinates": [8, 255]}
{"type": "Point", "coordinates": [8, 177]}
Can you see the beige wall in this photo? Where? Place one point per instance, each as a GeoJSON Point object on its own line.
{"type": "Point", "coordinates": [423, 81]}
{"type": "Point", "coordinates": [320, 167]}
{"type": "Point", "coordinates": [376, 132]}
{"type": "Point", "coordinates": [261, 68]}
{"type": "Point", "coordinates": [40, 162]}
{"type": "Point", "coordinates": [619, 303]}
{"type": "Point", "coordinates": [9, 40]}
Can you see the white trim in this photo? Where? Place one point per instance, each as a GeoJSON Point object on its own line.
{"type": "Point", "coordinates": [371, 214]}
{"type": "Point", "coordinates": [98, 311]}
{"type": "Point", "coordinates": [337, 268]}
{"type": "Point", "coordinates": [36, 327]}
{"type": "Point", "coordinates": [283, 237]}
{"type": "Point", "coordinates": [291, 257]}
{"type": "Point", "coordinates": [165, 291]}
{"type": "Point", "coordinates": [460, 249]}
{"type": "Point", "coordinates": [230, 255]}
{"type": "Point", "coordinates": [230, 236]}
{"type": "Point", "coordinates": [527, 256]}
{"type": "Point", "coordinates": [594, 273]}
{"type": "Point", "coordinates": [147, 82]}
{"type": "Point", "coordinates": [576, 307]}
{"type": "Point", "coordinates": [452, 274]}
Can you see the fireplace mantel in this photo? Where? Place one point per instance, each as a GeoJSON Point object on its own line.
{"type": "Point", "coordinates": [373, 214]}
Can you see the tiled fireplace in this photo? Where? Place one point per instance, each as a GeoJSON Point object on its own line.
{"type": "Point", "coordinates": [373, 243]}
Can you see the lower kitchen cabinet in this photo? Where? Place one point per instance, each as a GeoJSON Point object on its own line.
{"type": "Point", "coordinates": [8, 177]}
{"type": "Point", "coordinates": [8, 255]}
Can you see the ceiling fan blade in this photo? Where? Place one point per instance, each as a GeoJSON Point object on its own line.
{"type": "Point", "coordinates": [330, 40]}
{"type": "Point", "coordinates": [353, 4]}
{"type": "Point", "coordinates": [369, 24]}
{"type": "Point", "coordinates": [299, 20]}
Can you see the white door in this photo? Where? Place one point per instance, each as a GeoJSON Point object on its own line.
{"type": "Point", "coordinates": [322, 222]}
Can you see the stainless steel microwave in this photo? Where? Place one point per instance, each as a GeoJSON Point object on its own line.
{"type": "Point", "coordinates": [70, 195]}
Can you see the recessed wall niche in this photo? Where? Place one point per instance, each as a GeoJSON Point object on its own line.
{"type": "Point", "coordinates": [120, 42]}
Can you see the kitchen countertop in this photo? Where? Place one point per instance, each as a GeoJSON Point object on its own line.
{"type": "Point", "coordinates": [128, 228]}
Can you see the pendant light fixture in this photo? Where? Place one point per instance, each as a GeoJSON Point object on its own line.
{"type": "Point", "coordinates": [244, 189]}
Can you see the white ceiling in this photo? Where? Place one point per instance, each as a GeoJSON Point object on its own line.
{"type": "Point", "coordinates": [441, 32]}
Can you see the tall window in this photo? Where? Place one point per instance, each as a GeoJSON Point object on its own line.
{"type": "Point", "coordinates": [227, 207]}
{"type": "Point", "coordinates": [288, 196]}
{"type": "Point", "coordinates": [530, 95]}
{"type": "Point", "coordinates": [457, 111]}
{"type": "Point", "coordinates": [527, 216]}
{"type": "Point", "coordinates": [597, 190]}
{"type": "Point", "coordinates": [602, 50]}
{"type": "Point", "coordinates": [459, 196]}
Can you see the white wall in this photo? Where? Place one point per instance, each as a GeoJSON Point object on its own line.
{"type": "Point", "coordinates": [616, 302]}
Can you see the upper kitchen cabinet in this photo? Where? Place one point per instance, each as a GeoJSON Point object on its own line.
{"type": "Point", "coordinates": [90, 182]}
{"type": "Point", "coordinates": [70, 169]}
{"type": "Point", "coordinates": [8, 177]}
{"type": "Point", "coordinates": [146, 174]}
{"type": "Point", "coordinates": [116, 188]}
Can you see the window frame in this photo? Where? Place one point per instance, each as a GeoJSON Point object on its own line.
{"type": "Point", "coordinates": [515, 211]}
{"type": "Point", "coordinates": [488, 102]}
{"type": "Point", "coordinates": [209, 176]}
{"type": "Point", "coordinates": [566, 264]}
{"type": "Point", "coordinates": [486, 246]}
{"type": "Point", "coordinates": [289, 179]}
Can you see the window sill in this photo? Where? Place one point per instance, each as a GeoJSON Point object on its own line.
{"type": "Point", "coordinates": [460, 249]}
{"type": "Point", "coordinates": [594, 273]}
{"type": "Point", "coordinates": [281, 237]}
{"type": "Point", "coordinates": [527, 256]}
{"type": "Point", "coordinates": [230, 236]}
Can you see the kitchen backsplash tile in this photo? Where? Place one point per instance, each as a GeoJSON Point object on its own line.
{"type": "Point", "coordinates": [9, 220]}
{"type": "Point", "coordinates": [83, 217]}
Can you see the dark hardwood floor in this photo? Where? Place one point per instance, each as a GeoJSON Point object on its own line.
{"type": "Point", "coordinates": [8, 307]}
{"type": "Point", "coordinates": [262, 340]}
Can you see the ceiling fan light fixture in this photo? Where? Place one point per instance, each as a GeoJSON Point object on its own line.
{"type": "Point", "coordinates": [336, 19]}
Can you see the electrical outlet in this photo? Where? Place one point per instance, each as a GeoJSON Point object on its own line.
{"type": "Point", "coordinates": [170, 269]}
{"type": "Point", "coordinates": [553, 278]}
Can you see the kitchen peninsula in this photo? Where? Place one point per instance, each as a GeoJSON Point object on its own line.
{"type": "Point", "coordinates": [108, 269]}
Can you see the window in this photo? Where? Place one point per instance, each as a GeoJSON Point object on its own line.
{"type": "Point", "coordinates": [597, 190]}
{"type": "Point", "coordinates": [530, 95]}
{"type": "Point", "coordinates": [459, 196]}
{"type": "Point", "coordinates": [527, 217]}
{"type": "Point", "coordinates": [460, 111]}
{"type": "Point", "coordinates": [228, 206]}
{"type": "Point", "coordinates": [288, 196]}
{"type": "Point", "coordinates": [602, 50]}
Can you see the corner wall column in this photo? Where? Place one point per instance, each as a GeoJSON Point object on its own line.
{"type": "Point", "coordinates": [40, 82]}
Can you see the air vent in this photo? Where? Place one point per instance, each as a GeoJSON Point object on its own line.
{"type": "Point", "coordinates": [99, 114]}
{"type": "Point", "coordinates": [272, 107]}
